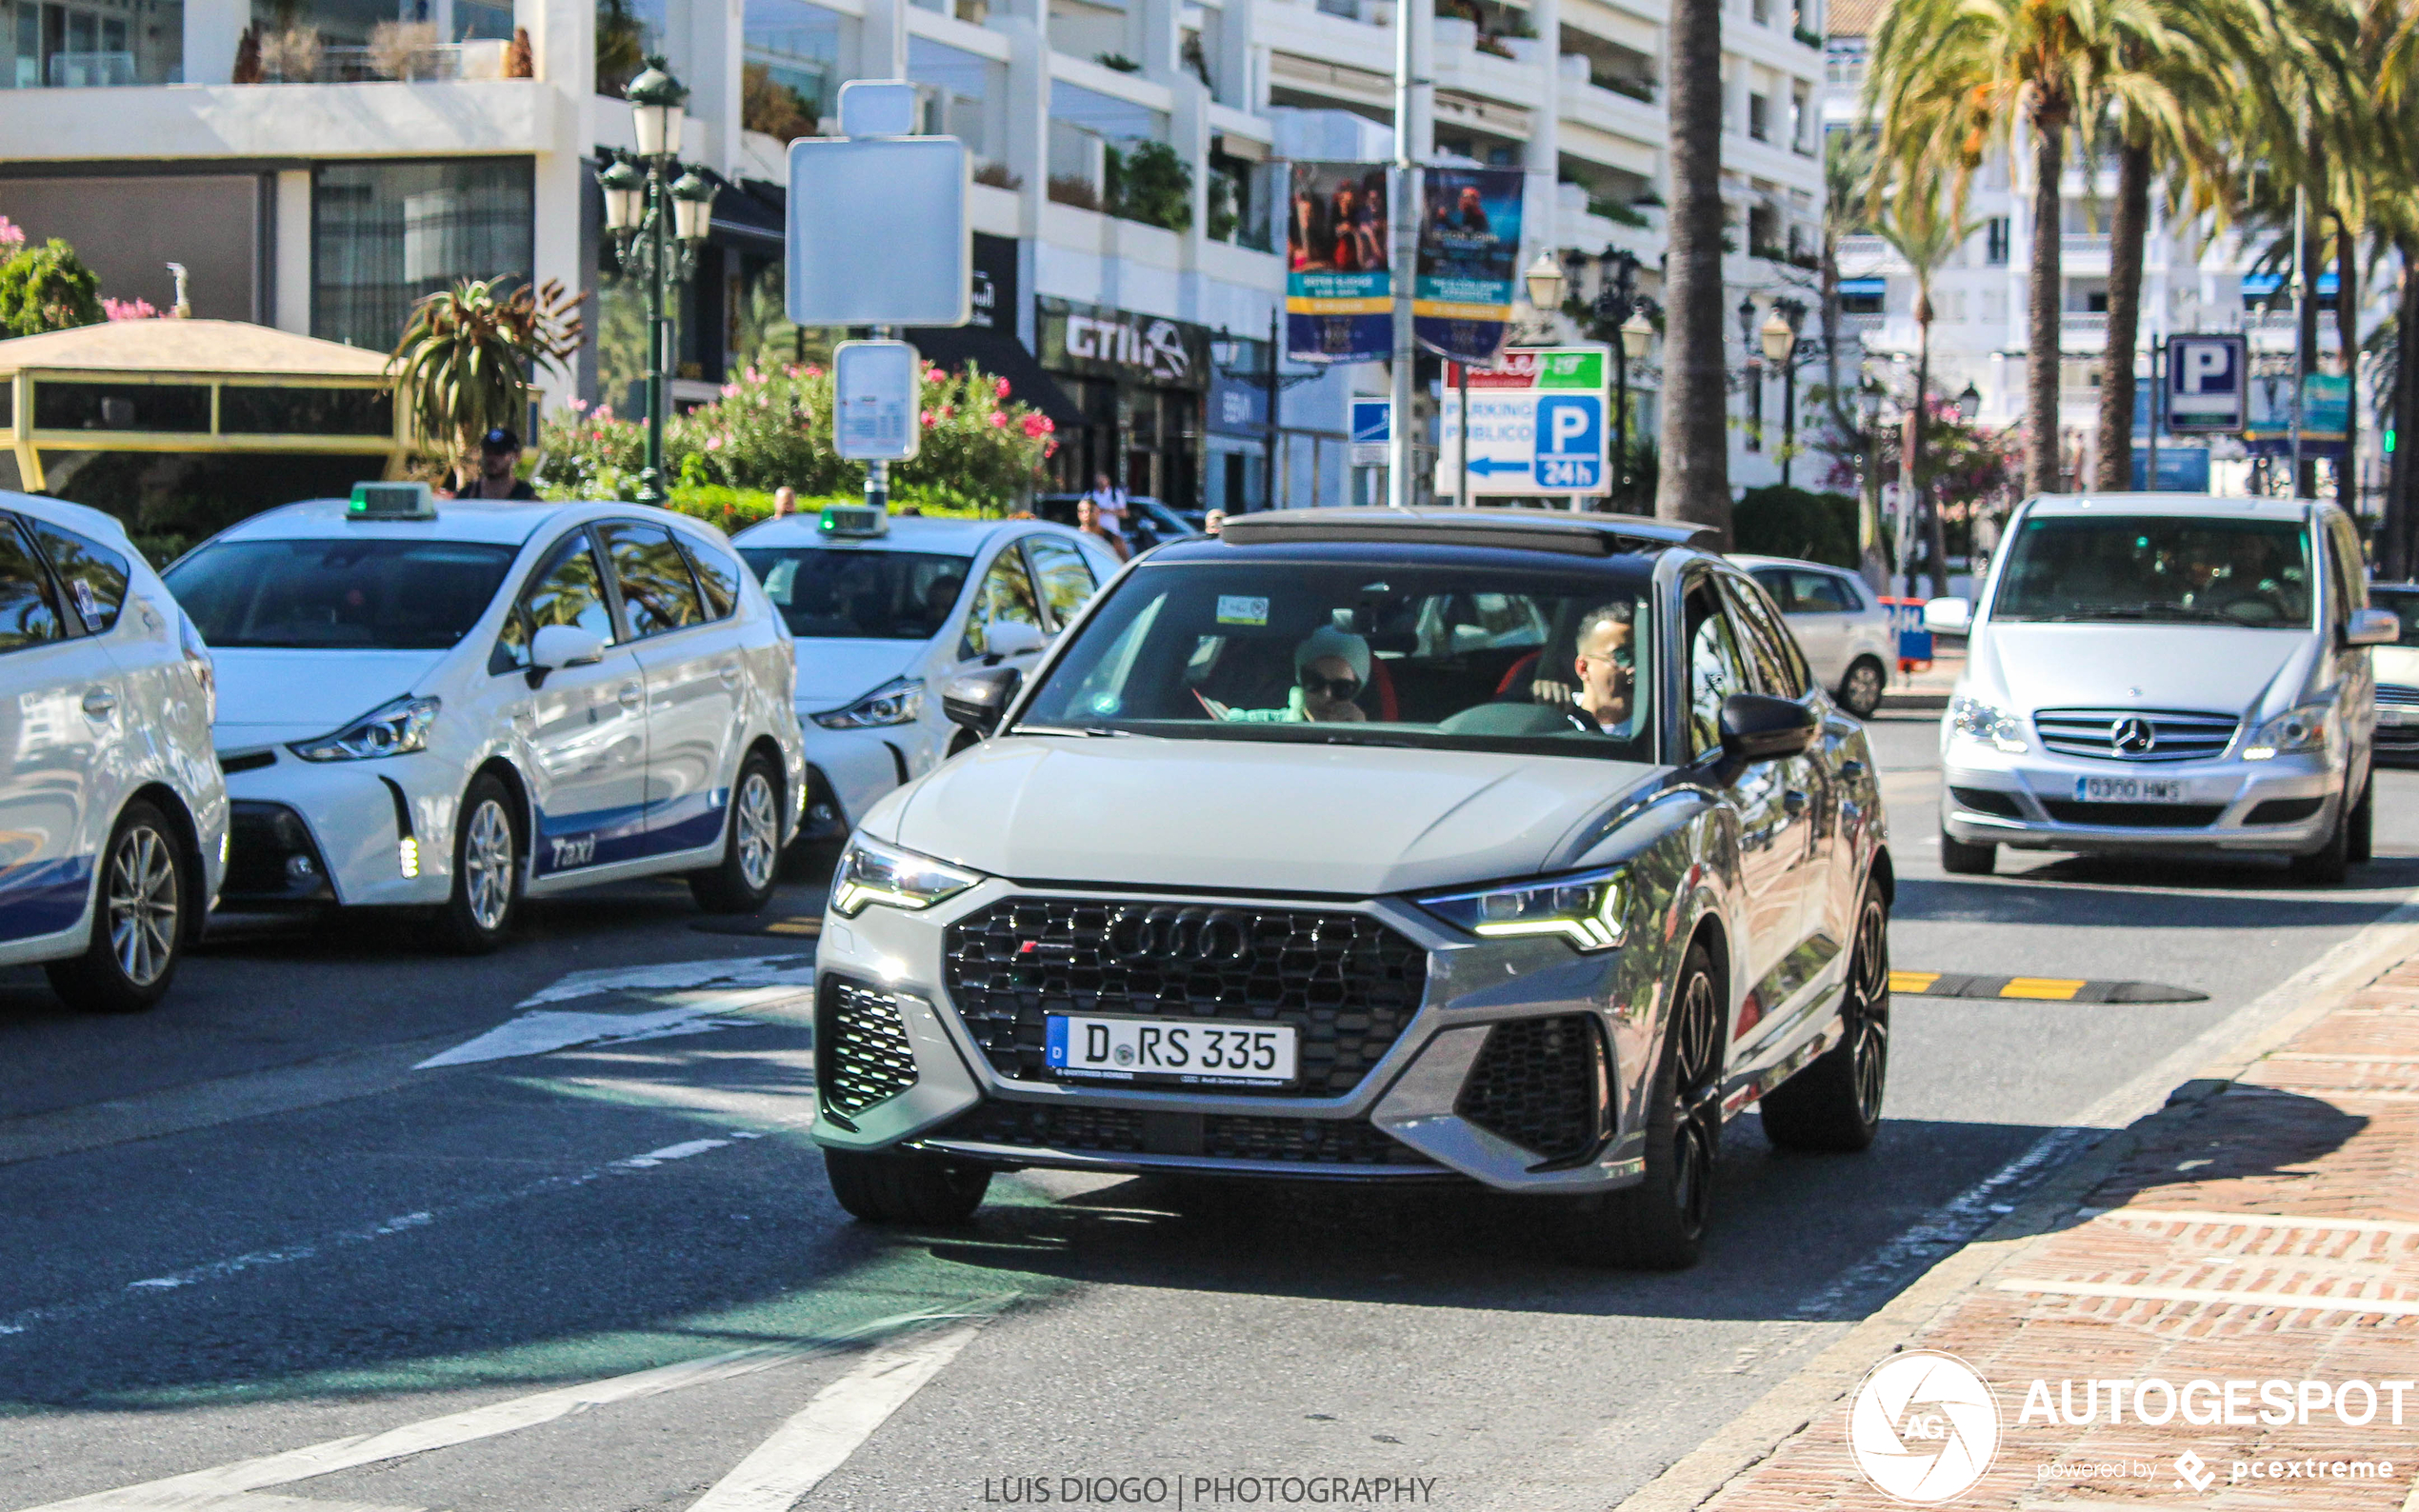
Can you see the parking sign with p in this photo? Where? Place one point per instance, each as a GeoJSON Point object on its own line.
{"type": "Point", "coordinates": [2205, 382]}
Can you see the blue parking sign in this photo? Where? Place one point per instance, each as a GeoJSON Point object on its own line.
{"type": "Point", "coordinates": [1570, 441]}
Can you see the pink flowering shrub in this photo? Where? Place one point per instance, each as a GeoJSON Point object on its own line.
{"type": "Point", "coordinates": [128, 309]}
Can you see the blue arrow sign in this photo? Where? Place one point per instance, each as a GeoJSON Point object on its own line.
{"type": "Point", "coordinates": [1488, 467]}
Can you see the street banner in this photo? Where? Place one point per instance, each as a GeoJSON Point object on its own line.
{"type": "Point", "coordinates": [2205, 382]}
{"type": "Point", "coordinates": [2326, 404]}
{"type": "Point", "coordinates": [1339, 286]}
{"type": "Point", "coordinates": [1469, 259]}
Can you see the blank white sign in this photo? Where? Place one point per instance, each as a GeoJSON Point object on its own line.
{"type": "Point", "coordinates": [878, 231]}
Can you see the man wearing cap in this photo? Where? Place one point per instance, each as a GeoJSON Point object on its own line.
{"type": "Point", "coordinates": [499, 456]}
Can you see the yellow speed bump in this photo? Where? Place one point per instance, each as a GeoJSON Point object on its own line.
{"type": "Point", "coordinates": [2043, 989]}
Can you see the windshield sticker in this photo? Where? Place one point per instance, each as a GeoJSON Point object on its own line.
{"type": "Point", "coordinates": [87, 606]}
{"type": "Point", "coordinates": [1235, 610]}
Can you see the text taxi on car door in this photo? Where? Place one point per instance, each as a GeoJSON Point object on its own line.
{"type": "Point", "coordinates": [452, 706]}
{"type": "Point", "coordinates": [113, 815]}
{"type": "Point", "coordinates": [886, 612]}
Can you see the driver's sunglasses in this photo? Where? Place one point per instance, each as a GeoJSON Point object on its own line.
{"type": "Point", "coordinates": [1623, 659]}
{"type": "Point", "coordinates": [1342, 690]}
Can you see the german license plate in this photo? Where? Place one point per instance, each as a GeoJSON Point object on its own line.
{"type": "Point", "coordinates": [2128, 790]}
{"type": "Point", "coordinates": [1155, 1050]}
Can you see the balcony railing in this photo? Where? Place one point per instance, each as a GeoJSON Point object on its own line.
{"type": "Point", "coordinates": [292, 58]}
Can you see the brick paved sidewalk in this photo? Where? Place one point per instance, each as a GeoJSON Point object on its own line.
{"type": "Point", "coordinates": [2268, 1231]}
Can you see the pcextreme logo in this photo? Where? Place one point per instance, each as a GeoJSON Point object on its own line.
{"type": "Point", "coordinates": [1923, 1427]}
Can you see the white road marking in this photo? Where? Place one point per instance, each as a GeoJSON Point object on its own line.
{"type": "Point", "coordinates": [841, 1417]}
{"type": "Point", "coordinates": [691, 992]}
{"type": "Point", "coordinates": [312, 1250]}
{"type": "Point", "coordinates": [250, 1502]}
{"type": "Point", "coordinates": [794, 970]}
{"type": "Point", "coordinates": [2179, 1215]}
{"type": "Point", "coordinates": [206, 1490]}
{"type": "Point", "coordinates": [2297, 1302]}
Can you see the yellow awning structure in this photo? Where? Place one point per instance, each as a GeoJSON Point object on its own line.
{"type": "Point", "coordinates": [197, 387]}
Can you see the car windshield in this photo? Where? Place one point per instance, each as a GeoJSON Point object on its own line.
{"type": "Point", "coordinates": [2403, 603]}
{"type": "Point", "coordinates": [2169, 570]}
{"type": "Point", "coordinates": [826, 593]}
{"type": "Point", "coordinates": [339, 595]}
{"type": "Point", "coordinates": [1375, 651]}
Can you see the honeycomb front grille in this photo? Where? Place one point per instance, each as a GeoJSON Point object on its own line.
{"type": "Point", "coordinates": [1144, 1133]}
{"type": "Point", "coordinates": [862, 1054]}
{"type": "Point", "coordinates": [1541, 1084]}
{"type": "Point", "coordinates": [1349, 983]}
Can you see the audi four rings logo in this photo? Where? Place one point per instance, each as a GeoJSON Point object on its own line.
{"type": "Point", "coordinates": [1208, 935]}
{"type": "Point", "coordinates": [2134, 737]}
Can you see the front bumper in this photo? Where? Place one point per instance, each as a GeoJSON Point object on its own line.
{"type": "Point", "coordinates": [318, 834]}
{"type": "Point", "coordinates": [2284, 806]}
{"type": "Point", "coordinates": [851, 770]}
{"type": "Point", "coordinates": [1433, 1103]}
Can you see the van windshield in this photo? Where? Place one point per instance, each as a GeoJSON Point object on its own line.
{"type": "Point", "coordinates": [2157, 569]}
{"type": "Point", "coordinates": [1380, 652]}
{"type": "Point", "coordinates": [339, 595]}
{"type": "Point", "coordinates": [856, 594]}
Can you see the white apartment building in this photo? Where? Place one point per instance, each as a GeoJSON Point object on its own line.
{"type": "Point", "coordinates": [2191, 282]}
{"type": "Point", "coordinates": [382, 148]}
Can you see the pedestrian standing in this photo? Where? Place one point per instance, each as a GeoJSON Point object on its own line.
{"type": "Point", "coordinates": [1109, 500]}
{"type": "Point", "coordinates": [785, 501]}
{"type": "Point", "coordinates": [1087, 519]}
{"type": "Point", "coordinates": [1214, 523]}
{"type": "Point", "coordinates": [499, 458]}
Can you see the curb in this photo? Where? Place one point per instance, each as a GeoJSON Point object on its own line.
{"type": "Point", "coordinates": [1819, 1386]}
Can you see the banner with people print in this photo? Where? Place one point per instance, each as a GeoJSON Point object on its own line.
{"type": "Point", "coordinates": [1468, 256]}
{"type": "Point", "coordinates": [1339, 285]}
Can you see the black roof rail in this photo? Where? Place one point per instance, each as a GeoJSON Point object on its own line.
{"type": "Point", "coordinates": [1518, 529]}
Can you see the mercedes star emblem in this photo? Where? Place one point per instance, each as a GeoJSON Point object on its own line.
{"type": "Point", "coordinates": [2133, 737]}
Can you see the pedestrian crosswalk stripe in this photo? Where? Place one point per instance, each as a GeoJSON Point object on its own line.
{"type": "Point", "coordinates": [2046, 990]}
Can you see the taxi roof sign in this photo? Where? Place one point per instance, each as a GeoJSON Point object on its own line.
{"type": "Point", "coordinates": [856, 520]}
{"type": "Point", "coordinates": [392, 501]}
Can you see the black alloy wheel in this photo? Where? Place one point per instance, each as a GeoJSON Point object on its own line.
{"type": "Point", "coordinates": [1959, 859]}
{"type": "Point", "coordinates": [1659, 1223]}
{"type": "Point", "coordinates": [1860, 692]}
{"type": "Point", "coordinates": [1836, 1103]}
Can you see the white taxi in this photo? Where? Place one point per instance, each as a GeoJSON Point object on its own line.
{"type": "Point", "coordinates": [113, 815]}
{"type": "Point", "coordinates": [885, 610]}
{"type": "Point", "coordinates": [454, 706]}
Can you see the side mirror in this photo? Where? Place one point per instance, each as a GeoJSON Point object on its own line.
{"type": "Point", "coordinates": [2372, 627]}
{"type": "Point", "coordinates": [977, 700]}
{"type": "Point", "coordinates": [1010, 638]}
{"type": "Point", "coordinates": [1756, 727]}
{"type": "Point", "coordinates": [565, 645]}
{"type": "Point", "coordinates": [1948, 616]}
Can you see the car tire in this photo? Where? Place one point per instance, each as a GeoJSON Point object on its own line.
{"type": "Point", "coordinates": [477, 917]}
{"type": "Point", "coordinates": [742, 883]}
{"type": "Point", "coordinates": [2329, 864]}
{"type": "Point", "coordinates": [1959, 859]}
{"type": "Point", "coordinates": [1834, 1104]}
{"type": "Point", "coordinates": [1860, 687]}
{"type": "Point", "coordinates": [2360, 845]}
{"type": "Point", "coordinates": [139, 923]}
{"type": "Point", "coordinates": [1659, 1223]}
{"type": "Point", "coordinates": [887, 1187]}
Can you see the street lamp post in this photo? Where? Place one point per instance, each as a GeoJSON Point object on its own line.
{"type": "Point", "coordinates": [1751, 398]}
{"type": "Point", "coordinates": [1779, 335]}
{"type": "Point", "coordinates": [658, 210]}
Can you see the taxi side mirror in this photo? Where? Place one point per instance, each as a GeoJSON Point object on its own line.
{"type": "Point", "coordinates": [1948, 616]}
{"type": "Point", "coordinates": [2372, 627]}
{"type": "Point", "coordinates": [556, 645]}
{"type": "Point", "coordinates": [1002, 638]}
{"type": "Point", "coordinates": [1756, 727]}
{"type": "Point", "coordinates": [977, 700]}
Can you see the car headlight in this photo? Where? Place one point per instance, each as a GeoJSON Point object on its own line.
{"type": "Point", "coordinates": [870, 872]}
{"type": "Point", "coordinates": [897, 702]}
{"type": "Point", "coordinates": [389, 730]}
{"type": "Point", "coordinates": [1977, 720]}
{"type": "Point", "coordinates": [2294, 731]}
{"type": "Point", "coordinates": [1583, 908]}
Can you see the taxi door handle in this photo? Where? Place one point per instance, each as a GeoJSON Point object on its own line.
{"type": "Point", "coordinates": [730, 676]}
{"type": "Point", "coordinates": [631, 694]}
{"type": "Point", "coordinates": [99, 703]}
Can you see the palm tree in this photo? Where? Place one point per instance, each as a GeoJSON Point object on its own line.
{"type": "Point", "coordinates": [1952, 79]}
{"type": "Point", "coordinates": [1925, 232]}
{"type": "Point", "coordinates": [1693, 483]}
{"type": "Point", "coordinates": [464, 362]}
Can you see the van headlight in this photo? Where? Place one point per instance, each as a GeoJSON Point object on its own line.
{"type": "Point", "coordinates": [2291, 733]}
{"type": "Point", "coordinates": [870, 872]}
{"type": "Point", "coordinates": [897, 702]}
{"type": "Point", "coordinates": [1583, 909]}
{"type": "Point", "coordinates": [1976, 720]}
{"type": "Point", "coordinates": [391, 729]}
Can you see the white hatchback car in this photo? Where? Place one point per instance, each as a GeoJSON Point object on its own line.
{"type": "Point", "coordinates": [886, 611]}
{"type": "Point", "coordinates": [112, 813]}
{"type": "Point", "coordinates": [451, 704]}
{"type": "Point", "coordinates": [1843, 630]}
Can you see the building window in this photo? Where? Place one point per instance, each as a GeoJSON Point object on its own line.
{"type": "Point", "coordinates": [1759, 117]}
{"type": "Point", "coordinates": [99, 43]}
{"type": "Point", "coordinates": [790, 67]}
{"type": "Point", "coordinates": [1995, 238]}
{"type": "Point", "coordinates": [385, 234]}
{"type": "Point", "coordinates": [954, 90]}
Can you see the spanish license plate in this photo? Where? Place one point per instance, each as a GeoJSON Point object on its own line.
{"type": "Point", "coordinates": [2128, 790]}
{"type": "Point", "coordinates": [1155, 1050]}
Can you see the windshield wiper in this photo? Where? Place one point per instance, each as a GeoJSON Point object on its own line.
{"type": "Point", "coordinates": [1070, 729]}
{"type": "Point", "coordinates": [2125, 612]}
